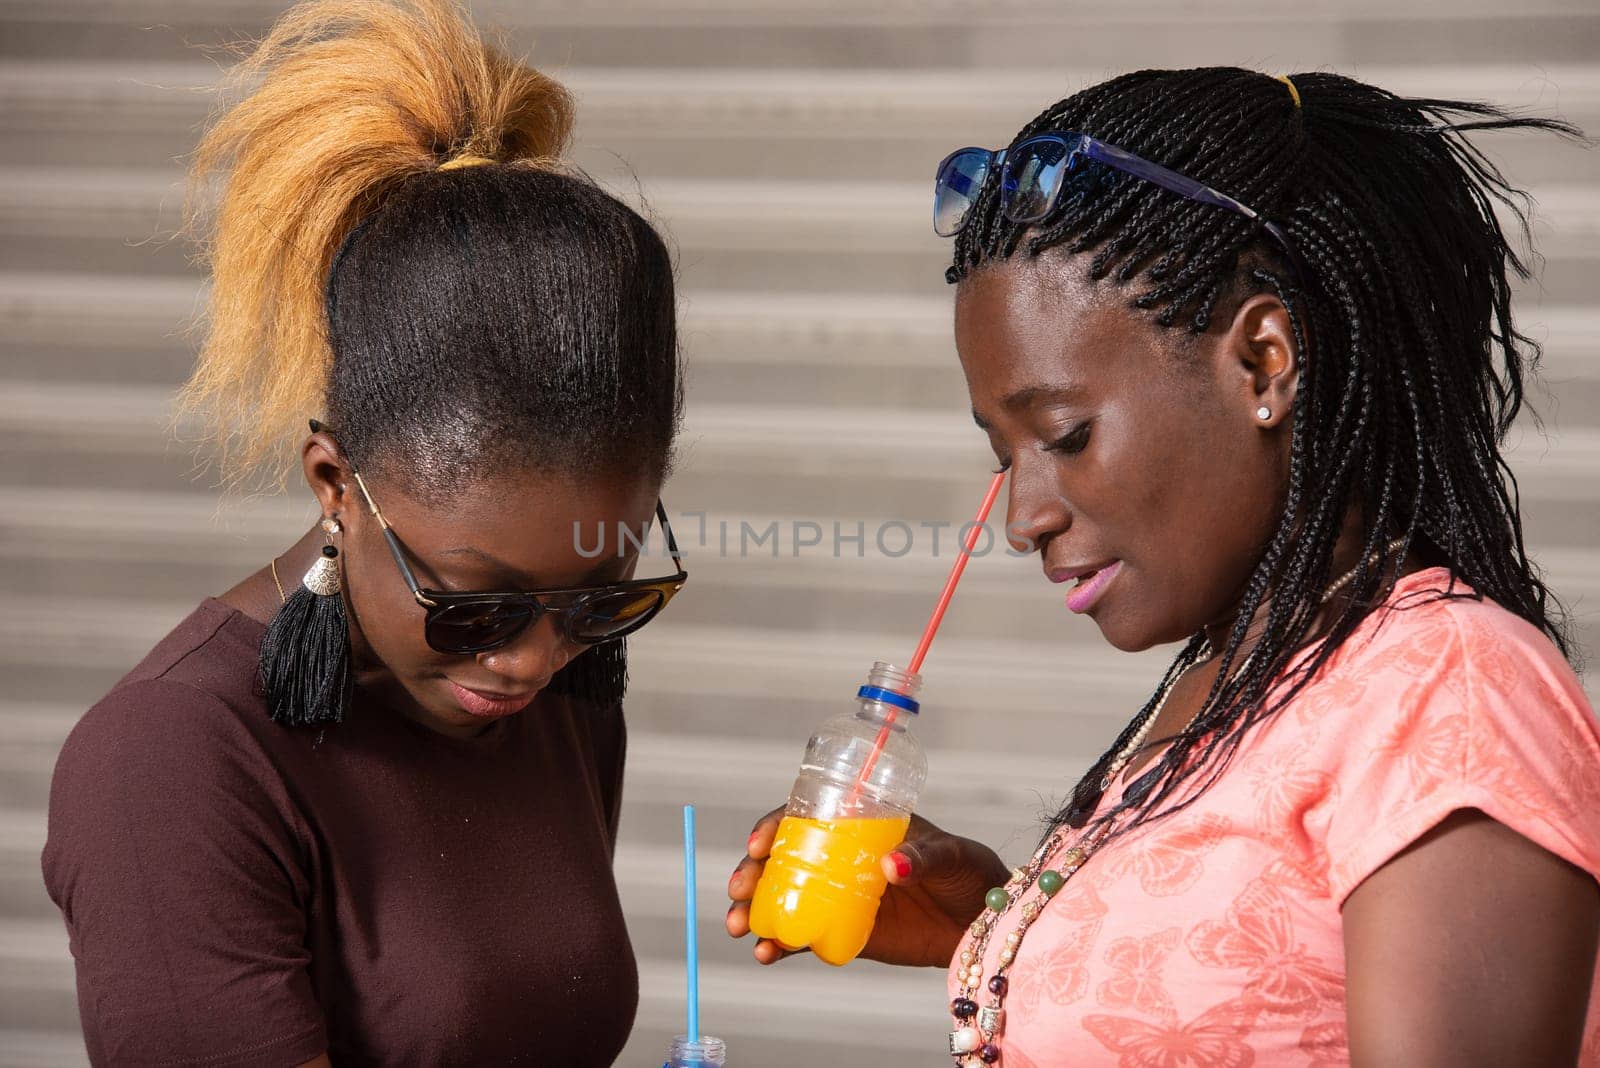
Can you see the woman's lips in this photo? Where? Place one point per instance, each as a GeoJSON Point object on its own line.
{"type": "Point", "coordinates": [487, 705]}
{"type": "Point", "coordinates": [1090, 586]}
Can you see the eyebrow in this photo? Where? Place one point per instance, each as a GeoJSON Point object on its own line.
{"type": "Point", "coordinates": [1022, 399]}
{"type": "Point", "coordinates": [467, 550]}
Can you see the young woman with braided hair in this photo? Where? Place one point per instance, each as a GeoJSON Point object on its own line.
{"type": "Point", "coordinates": [1245, 344]}
{"type": "Point", "coordinates": [367, 815]}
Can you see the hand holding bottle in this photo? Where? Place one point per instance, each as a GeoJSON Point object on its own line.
{"type": "Point", "coordinates": [848, 834]}
{"type": "Point", "coordinates": [936, 883]}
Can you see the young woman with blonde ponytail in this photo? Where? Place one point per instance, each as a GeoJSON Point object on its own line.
{"type": "Point", "coordinates": [361, 808]}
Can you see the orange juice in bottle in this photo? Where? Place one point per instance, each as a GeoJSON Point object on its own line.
{"type": "Point", "coordinates": [823, 880]}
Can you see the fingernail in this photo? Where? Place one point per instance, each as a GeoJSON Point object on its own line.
{"type": "Point", "coordinates": [902, 865]}
{"type": "Point", "coordinates": [750, 843]}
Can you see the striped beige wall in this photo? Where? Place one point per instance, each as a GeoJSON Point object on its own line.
{"type": "Point", "coordinates": [786, 147]}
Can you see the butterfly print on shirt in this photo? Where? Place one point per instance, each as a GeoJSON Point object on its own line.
{"type": "Point", "coordinates": [1136, 981]}
{"type": "Point", "coordinates": [1258, 936]}
{"type": "Point", "coordinates": [1059, 975]}
{"type": "Point", "coordinates": [1214, 1039]}
{"type": "Point", "coordinates": [1429, 744]}
{"type": "Point", "coordinates": [1169, 860]}
{"type": "Point", "coordinates": [1326, 1044]}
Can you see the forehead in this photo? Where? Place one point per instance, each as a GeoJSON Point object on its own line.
{"type": "Point", "coordinates": [530, 521]}
{"type": "Point", "coordinates": [1029, 321]}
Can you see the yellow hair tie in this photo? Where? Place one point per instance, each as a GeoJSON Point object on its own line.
{"type": "Point", "coordinates": [464, 161]}
{"type": "Point", "coordinates": [1294, 93]}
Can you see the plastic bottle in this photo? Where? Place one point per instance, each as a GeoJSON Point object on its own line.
{"type": "Point", "coordinates": [704, 1052]}
{"type": "Point", "coordinates": [823, 882]}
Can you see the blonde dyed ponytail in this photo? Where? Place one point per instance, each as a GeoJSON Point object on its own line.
{"type": "Point", "coordinates": [343, 101]}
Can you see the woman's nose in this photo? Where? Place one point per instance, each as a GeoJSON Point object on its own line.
{"type": "Point", "coordinates": [532, 657]}
{"type": "Point", "coordinates": [1035, 510]}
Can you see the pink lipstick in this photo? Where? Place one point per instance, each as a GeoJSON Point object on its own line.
{"type": "Point", "coordinates": [1082, 597]}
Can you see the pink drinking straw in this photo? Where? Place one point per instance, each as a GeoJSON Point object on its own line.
{"type": "Point", "coordinates": [933, 627]}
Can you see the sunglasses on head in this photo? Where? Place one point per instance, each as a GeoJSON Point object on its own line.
{"type": "Point", "coordinates": [470, 622]}
{"type": "Point", "coordinates": [1033, 173]}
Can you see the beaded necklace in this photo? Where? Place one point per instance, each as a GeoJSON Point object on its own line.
{"type": "Point", "coordinates": [973, 1039]}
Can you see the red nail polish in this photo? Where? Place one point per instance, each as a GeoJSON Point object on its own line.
{"type": "Point", "coordinates": [750, 843]}
{"type": "Point", "coordinates": [902, 866]}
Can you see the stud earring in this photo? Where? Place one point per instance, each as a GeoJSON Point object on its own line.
{"type": "Point", "coordinates": [1263, 413]}
{"type": "Point", "coordinates": [330, 526]}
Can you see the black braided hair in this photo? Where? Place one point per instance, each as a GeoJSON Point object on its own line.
{"type": "Point", "coordinates": [1411, 368]}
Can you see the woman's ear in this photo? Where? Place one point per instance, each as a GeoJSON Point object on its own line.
{"type": "Point", "coordinates": [326, 472]}
{"type": "Point", "coordinates": [1261, 359]}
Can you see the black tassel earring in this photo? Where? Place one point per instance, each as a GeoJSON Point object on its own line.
{"type": "Point", "coordinates": [305, 656]}
{"type": "Point", "coordinates": [598, 675]}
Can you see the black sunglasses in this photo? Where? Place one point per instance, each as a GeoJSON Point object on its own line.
{"type": "Point", "coordinates": [470, 622]}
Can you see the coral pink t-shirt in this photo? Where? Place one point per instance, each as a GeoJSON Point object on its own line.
{"type": "Point", "coordinates": [1213, 937]}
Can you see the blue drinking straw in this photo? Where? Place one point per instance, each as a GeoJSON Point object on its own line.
{"type": "Point", "coordinates": [691, 936]}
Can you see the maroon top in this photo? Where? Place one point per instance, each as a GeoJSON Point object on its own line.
{"type": "Point", "coordinates": [242, 893]}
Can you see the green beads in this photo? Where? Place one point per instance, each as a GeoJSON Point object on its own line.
{"type": "Point", "coordinates": [1050, 882]}
{"type": "Point", "coordinates": [997, 899]}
